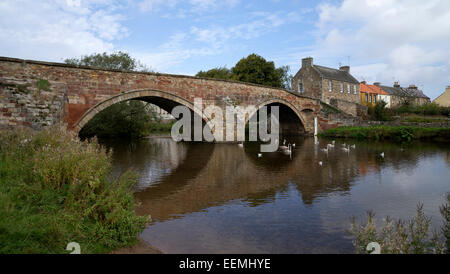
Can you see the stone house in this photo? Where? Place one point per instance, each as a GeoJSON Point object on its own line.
{"type": "Point", "coordinates": [399, 95]}
{"type": "Point", "coordinates": [325, 83]}
{"type": "Point", "coordinates": [444, 99]}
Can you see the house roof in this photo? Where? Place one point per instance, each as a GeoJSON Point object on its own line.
{"type": "Point", "coordinates": [393, 90]}
{"type": "Point", "coordinates": [378, 90]}
{"type": "Point", "coordinates": [404, 92]}
{"type": "Point", "coordinates": [335, 74]}
{"type": "Point", "coordinates": [365, 88]}
{"type": "Point", "coordinates": [416, 93]}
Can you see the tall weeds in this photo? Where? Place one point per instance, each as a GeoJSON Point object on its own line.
{"type": "Point", "coordinates": [398, 236]}
{"type": "Point", "coordinates": [55, 189]}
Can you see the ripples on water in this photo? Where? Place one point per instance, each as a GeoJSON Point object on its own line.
{"type": "Point", "coordinates": [222, 198]}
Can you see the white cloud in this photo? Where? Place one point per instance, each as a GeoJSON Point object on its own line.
{"type": "Point", "coordinates": [196, 6]}
{"type": "Point", "coordinates": [172, 53]}
{"type": "Point", "coordinates": [261, 23]}
{"type": "Point", "coordinates": [403, 40]}
{"type": "Point", "coordinates": [57, 29]}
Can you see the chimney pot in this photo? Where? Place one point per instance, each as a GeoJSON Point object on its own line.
{"type": "Point", "coordinates": [345, 68]}
{"type": "Point", "coordinates": [376, 84]}
{"type": "Point", "coordinates": [396, 85]}
{"type": "Point", "coordinates": [412, 86]}
{"type": "Point", "coordinates": [307, 62]}
{"type": "Point", "coordinates": [363, 82]}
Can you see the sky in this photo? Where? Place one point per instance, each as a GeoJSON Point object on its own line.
{"type": "Point", "coordinates": [382, 40]}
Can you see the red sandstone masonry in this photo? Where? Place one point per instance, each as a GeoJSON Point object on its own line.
{"type": "Point", "coordinates": [88, 89]}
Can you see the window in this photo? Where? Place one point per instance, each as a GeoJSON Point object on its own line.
{"type": "Point", "coordinates": [342, 87]}
{"type": "Point", "coordinates": [374, 98]}
{"type": "Point", "coordinates": [370, 98]}
{"type": "Point", "coordinates": [348, 88]}
{"type": "Point", "coordinates": [354, 89]}
{"type": "Point", "coordinates": [300, 87]}
{"type": "Point", "coordinates": [330, 87]}
{"type": "Point", "coordinates": [367, 97]}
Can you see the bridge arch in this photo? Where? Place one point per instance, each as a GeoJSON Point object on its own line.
{"type": "Point", "coordinates": [299, 114]}
{"type": "Point", "coordinates": [163, 99]}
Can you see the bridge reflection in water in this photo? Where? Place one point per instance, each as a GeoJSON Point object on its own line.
{"type": "Point", "coordinates": [222, 198]}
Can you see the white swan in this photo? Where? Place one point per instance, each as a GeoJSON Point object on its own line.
{"type": "Point", "coordinates": [288, 151]}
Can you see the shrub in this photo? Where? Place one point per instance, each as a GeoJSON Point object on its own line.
{"type": "Point", "coordinates": [445, 211]}
{"type": "Point", "coordinates": [397, 236]}
{"type": "Point", "coordinates": [56, 189]}
{"type": "Point", "coordinates": [379, 111]}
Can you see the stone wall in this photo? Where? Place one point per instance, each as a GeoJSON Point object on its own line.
{"type": "Point", "coordinates": [311, 82]}
{"type": "Point", "coordinates": [352, 108]}
{"type": "Point", "coordinates": [336, 93]}
{"type": "Point", "coordinates": [34, 103]}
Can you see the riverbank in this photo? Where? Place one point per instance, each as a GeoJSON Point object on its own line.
{"type": "Point", "coordinates": [55, 189]}
{"type": "Point", "coordinates": [385, 132]}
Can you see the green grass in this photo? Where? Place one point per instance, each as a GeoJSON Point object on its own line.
{"type": "Point", "coordinates": [397, 133]}
{"type": "Point", "coordinates": [419, 119]}
{"type": "Point", "coordinates": [55, 189]}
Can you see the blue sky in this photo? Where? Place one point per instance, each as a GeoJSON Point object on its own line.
{"type": "Point", "coordinates": [382, 40]}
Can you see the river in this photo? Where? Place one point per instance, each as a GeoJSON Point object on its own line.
{"type": "Point", "coordinates": [223, 198]}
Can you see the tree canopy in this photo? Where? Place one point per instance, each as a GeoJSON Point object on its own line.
{"type": "Point", "coordinates": [218, 73]}
{"type": "Point", "coordinates": [117, 60]}
{"type": "Point", "coordinates": [253, 69]}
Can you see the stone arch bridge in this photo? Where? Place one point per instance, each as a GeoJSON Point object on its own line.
{"type": "Point", "coordinates": [36, 94]}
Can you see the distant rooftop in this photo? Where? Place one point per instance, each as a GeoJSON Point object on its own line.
{"type": "Point", "coordinates": [335, 74]}
{"type": "Point", "coordinates": [400, 91]}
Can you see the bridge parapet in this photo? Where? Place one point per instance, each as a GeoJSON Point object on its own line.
{"type": "Point", "coordinates": [37, 94]}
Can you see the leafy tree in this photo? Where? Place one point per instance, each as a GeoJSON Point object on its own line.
{"type": "Point", "coordinates": [379, 111]}
{"type": "Point", "coordinates": [125, 119]}
{"type": "Point", "coordinates": [217, 73]}
{"type": "Point", "coordinates": [286, 78]}
{"type": "Point", "coordinates": [255, 69]}
{"type": "Point", "coordinates": [118, 61]}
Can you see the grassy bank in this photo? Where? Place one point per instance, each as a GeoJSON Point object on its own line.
{"type": "Point", "coordinates": [55, 189]}
{"type": "Point", "coordinates": [397, 133]}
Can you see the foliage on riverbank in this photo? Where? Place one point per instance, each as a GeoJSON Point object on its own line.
{"type": "Point", "coordinates": [400, 237]}
{"type": "Point", "coordinates": [55, 189]}
{"type": "Point", "coordinates": [397, 133]}
{"type": "Point", "coordinates": [124, 120]}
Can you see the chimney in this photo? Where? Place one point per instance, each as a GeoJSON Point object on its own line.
{"type": "Point", "coordinates": [447, 89]}
{"type": "Point", "coordinates": [412, 86]}
{"type": "Point", "coordinates": [345, 68]}
{"type": "Point", "coordinates": [396, 85]}
{"type": "Point", "coordinates": [307, 62]}
{"type": "Point", "coordinates": [376, 84]}
{"type": "Point", "coordinates": [363, 82]}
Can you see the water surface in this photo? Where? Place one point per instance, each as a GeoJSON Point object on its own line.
{"type": "Point", "coordinates": [222, 198]}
